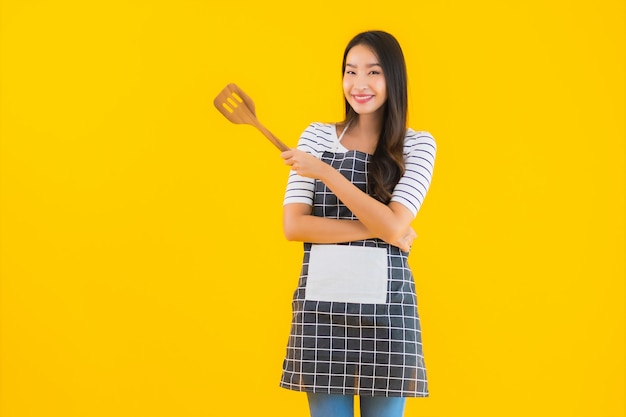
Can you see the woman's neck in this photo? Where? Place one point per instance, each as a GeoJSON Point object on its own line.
{"type": "Point", "coordinates": [363, 133]}
{"type": "Point", "coordinates": [367, 128]}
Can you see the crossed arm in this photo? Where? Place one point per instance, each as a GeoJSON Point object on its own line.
{"type": "Point", "coordinates": [391, 223]}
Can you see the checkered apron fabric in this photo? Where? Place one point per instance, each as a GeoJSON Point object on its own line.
{"type": "Point", "coordinates": [351, 348]}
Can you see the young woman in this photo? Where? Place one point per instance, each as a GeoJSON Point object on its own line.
{"type": "Point", "coordinates": [353, 191]}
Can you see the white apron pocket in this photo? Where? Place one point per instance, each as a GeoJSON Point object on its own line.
{"type": "Point", "coordinates": [348, 274]}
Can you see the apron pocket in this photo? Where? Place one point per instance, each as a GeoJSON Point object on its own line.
{"type": "Point", "coordinates": [348, 274]}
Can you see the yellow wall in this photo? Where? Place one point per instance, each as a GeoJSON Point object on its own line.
{"type": "Point", "coordinates": [144, 271]}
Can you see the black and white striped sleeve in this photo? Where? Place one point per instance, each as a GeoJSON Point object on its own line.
{"type": "Point", "coordinates": [419, 157]}
{"type": "Point", "coordinates": [300, 189]}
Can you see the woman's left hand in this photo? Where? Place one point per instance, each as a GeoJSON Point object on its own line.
{"type": "Point", "coordinates": [304, 164]}
{"type": "Point", "coordinates": [405, 241]}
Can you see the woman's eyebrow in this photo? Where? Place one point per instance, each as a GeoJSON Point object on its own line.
{"type": "Point", "coordinates": [374, 64]}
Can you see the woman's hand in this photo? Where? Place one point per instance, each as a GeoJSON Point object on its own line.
{"type": "Point", "coordinates": [404, 242]}
{"type": "Point", "coordinates": [305, 164]}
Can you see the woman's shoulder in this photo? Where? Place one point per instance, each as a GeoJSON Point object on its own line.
{"type": "Point", "coordinates": [321, 128]}
{"type": "Point", "coordinates": [419, 138]}
{"type": "Point", "coordinates": [317, 137]}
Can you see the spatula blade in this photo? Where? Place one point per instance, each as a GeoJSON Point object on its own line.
{"type": "Point", "coordinates": [238, 107]}
{"type": "Point", "coordinates": [235, 105]}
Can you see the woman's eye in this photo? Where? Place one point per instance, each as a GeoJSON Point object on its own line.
{"type": "Point", "coordinates": [375, 72]}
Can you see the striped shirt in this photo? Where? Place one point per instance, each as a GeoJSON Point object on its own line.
{"type": "Point", "coordinates": [419, 158]}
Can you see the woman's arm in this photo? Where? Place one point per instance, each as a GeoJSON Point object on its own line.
{"type": "Point", "coordinates": [300, 225]}
{"type": "Point", "coordinates": [298, 222]}
{"type": "Point", "coordinates": [387, 222]}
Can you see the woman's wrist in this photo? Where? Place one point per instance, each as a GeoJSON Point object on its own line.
{"type": "Point", "coordinates": [326, 174]}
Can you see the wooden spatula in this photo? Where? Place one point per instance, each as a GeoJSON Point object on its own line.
{"type": "Point", "coordinates": [237, 107]}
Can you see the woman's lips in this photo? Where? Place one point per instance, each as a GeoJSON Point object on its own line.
{"type": "Point", "coordinates": [362, 98]}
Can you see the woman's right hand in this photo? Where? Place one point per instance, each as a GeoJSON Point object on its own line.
{"type": "Point", "coordinates": [405, 241]}
{"type": "Point", "coordinates": [305, 164]}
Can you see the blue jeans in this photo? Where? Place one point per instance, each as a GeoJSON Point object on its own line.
{"type": "Point", "coordinates": [334, 405]}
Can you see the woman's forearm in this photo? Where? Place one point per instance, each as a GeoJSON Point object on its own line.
{"type": "Point", "coordinates": [314, 229]}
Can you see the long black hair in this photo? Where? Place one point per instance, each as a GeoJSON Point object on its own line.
{"type": "Point", "coordinates": [387, 163]}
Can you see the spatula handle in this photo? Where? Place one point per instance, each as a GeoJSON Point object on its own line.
{"type": "Point", "coordinates": [277, 142]}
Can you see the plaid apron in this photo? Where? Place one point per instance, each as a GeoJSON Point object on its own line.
{"type": "Point", "coordinates": [353, 348]}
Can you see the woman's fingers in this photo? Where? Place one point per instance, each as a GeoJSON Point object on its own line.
{"type": "Point", "coordinates": [290, 157]}
{"type": "Point", "coordinates": [304, 164]}
{"type": "Point", "coordinates": [407, 239]}
{"type": "Point", "coordinates": [288, 160]}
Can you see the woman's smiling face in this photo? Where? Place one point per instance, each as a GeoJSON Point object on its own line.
{"type": "Point", "coordinates": [363, 81]}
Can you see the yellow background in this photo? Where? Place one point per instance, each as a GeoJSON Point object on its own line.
{"type": "Point", "coordinates": [144, 270]}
